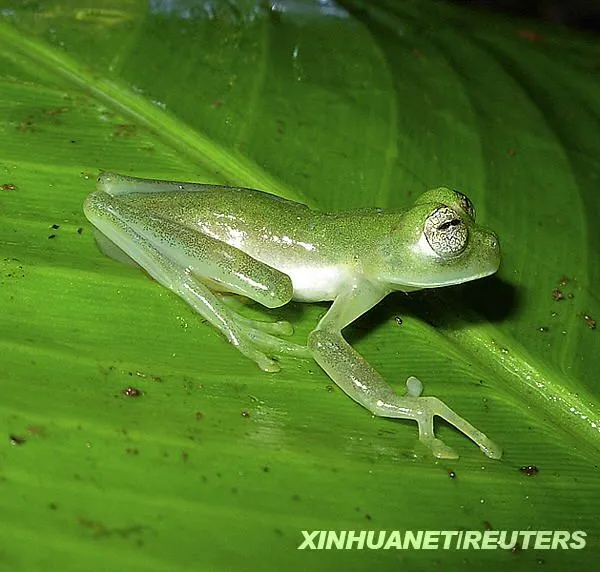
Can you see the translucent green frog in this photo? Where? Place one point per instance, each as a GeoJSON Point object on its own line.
{"type": "Point", "coordinates": [203, 241]}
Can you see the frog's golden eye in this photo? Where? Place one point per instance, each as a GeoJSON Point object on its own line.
{"type": "Point", "coordinates": [466, 204]}
{"type": "Point", "coordinates": [446, 232]}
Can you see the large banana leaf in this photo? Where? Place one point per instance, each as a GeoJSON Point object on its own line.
{"type": "Point", "coordinates": [218, 465]}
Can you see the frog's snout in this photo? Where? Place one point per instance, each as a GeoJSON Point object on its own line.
{"type": "Point", "coordinates": [493, 246]}
{"type": "Point", "coordinates": [494, 243]}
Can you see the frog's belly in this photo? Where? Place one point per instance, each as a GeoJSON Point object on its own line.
{"type": "Point", "coordinates": [316, 284]}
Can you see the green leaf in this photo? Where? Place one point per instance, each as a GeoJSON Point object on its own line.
{"type": "Point", "coordinates": [218, 465]}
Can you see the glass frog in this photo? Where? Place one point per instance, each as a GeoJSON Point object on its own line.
{"type": "Point", "coordinates": [206, 242]}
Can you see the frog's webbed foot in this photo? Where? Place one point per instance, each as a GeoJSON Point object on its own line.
{"type": "Point", "coordinates": [234, 302]}
{"type": "Point", "coordinates": [255, 340]}
{"type": "Point", "coordinates": [258, 345]}
{"type": "Point", "coordinates": [273, 345]}
{"type": "Point", "coordinates": [426, 408]}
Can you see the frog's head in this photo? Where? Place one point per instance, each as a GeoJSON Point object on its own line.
{"type": "Point", "coordinates": [437, 243]}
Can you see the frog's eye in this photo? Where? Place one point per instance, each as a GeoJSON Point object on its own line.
{"type": "Point", "coordinates": [465, 204]}
{"type": "Point", "coordinates": [446, 232]}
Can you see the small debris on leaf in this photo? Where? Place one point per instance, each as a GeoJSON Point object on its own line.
{"type": "Point", "coordinates": [132, 392]}
{"type": "Point", "coordinates": [17, 440]}
{"type": "Point", "coordinates": [590, 321]}
{"type": "Point", "coordinates": [529, 470]}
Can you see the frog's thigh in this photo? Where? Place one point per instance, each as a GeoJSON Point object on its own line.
{"type": "Point", "coordinates": [216, 263]}
{"type": "Point", "coordinates": [231, 269]}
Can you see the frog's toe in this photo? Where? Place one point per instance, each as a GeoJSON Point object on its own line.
{"type": "Point", "coordinates": [439, 449]}
{"type": "Point", "coordinates": [280, 328]}
{"type": "Point", "coordinates": [267, 364]}
{"type": "Point", "coordinates": [262, 360]}
{"type": "Point", "coordinates": [490, 449]}
{"type": "Point", "coordinates": [259, 345]}
{"type": "Point", "coordinates": [274, 345]}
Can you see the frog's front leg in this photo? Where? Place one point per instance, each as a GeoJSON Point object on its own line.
{"type": "Point", "coordinates": [362, 383]}
{"type": "Point", "coordinates": [191, 264]}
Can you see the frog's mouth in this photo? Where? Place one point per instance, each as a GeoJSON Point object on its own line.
{"type": "Point", "coordinates": [465, 268]}
{"type": "Point", "coordinates": [460, 279]}
{"type": "Point", "coordinates": [408, 285]}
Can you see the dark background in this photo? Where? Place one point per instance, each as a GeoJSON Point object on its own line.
{"type": "Point", "coordinates": [583, 14]}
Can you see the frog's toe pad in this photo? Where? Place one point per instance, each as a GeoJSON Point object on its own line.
{"type": "Point", "coordinates": [262, 360]}
{"type": "Point", "coordinates": [266, 363]}
{"type": "Point", "coordinates": [414, 386]}
{"type": "Point", "coordinates": [283, 328]}
{"type": "Point", "coordinates": [490, 449]}
{"type": "Point", "coordinates": [439, 449]}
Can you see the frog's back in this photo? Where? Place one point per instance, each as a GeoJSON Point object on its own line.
{"type": "Point", "coordinates": [317, 250]}
{"type": "Point", "coordinates": [200, 205]}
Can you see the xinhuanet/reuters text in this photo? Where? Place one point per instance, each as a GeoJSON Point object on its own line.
{"type": "Point", "coordinates": [442, 539]}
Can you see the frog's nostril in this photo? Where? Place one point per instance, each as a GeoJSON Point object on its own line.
{"type": "Point", "coordinates": [494, 244]}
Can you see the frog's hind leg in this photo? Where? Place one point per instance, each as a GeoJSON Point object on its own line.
{"type": "Point", "coordinates": [181, 260]}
